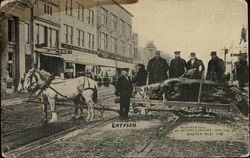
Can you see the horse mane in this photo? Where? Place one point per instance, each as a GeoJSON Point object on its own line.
{"type": "Point", "coordinates": [44, 75]}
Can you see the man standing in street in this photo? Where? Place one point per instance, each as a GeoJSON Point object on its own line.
{"type": "Point", "coordinates": [177, 66]}
{"type": "Point", "coordinates": [216, 68]}
{"type": "Point", "coordinates": [157, 68]}
{"type": "Point", "coordinates": [196, 64]}
{"type": "Point", "coordinates": [192, 91]}
{"type": "Point", "coordinates": [242, 71]}
{"type": "Point", "coordinates": [124, 90]}
{"type": "Point", "coordinates": [141, 76]}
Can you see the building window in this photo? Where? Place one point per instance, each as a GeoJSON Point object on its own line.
{"type": "Point", "coordinates": [27, 33]}
{"type": "Point", "coordinates": [80, 12]}
{"type": "Point", "coordinates": [47, 9]}
{"type": "Point", "coordinates": [27, 62]}
{"type": "Point", "coordinates": [80, 38]}
{"type": "Point", "coordinates": [68, 34]}
{"type": "Point", "coordinates": [130, 50]}
{"type": "Point", "coordinates": [104, 16]}
{"type": "Point", "coordinates": [90, 17]}
{"type": "Point", "coordinates": [42, 34]}
{"type": "Point", "coordinates": [129, 28]}
{"type": "Point", "coordinates": [11, 30]}
{"type": "Point", "coordinates": [122, 26]}
{"type": "Point", "coordinates": [91, 41]}
{"type": "Point", "coordinates": [104, 41]}
{"type": "Point", "coordinates": [123, 47]}
{"type": "Point", "coordinates": [53, 38]}
{"type": "Point", "coordinates": [68, 7]}
{"type": "Point", "coordinates": [113, 45]}
{"type": "Point", "coordinates": [114, 22]}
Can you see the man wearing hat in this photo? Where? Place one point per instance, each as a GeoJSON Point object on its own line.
{"type": "Point", "coordinates": [177, 66]}
{"type": "Point", "coordinates": [141, 76]}
{"type": "Point", "coordinates": [196, 64]}
{"type": "Point", "coordinates": [157, 68]}
{"type": "Point", "coordinates": [124, 90]}
{"type": "Point", "coordinates": [216, 68]}
{"type": "Point", "coordinates": [242, 71]}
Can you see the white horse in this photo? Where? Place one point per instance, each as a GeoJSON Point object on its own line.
{"type": "Point", "coordinates": [81, 90]}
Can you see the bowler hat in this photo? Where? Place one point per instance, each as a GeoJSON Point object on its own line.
{"type": "Point", "coordinates": [213, 53]}
{"type": "Point", "coordinates": [177, 52]}
{"type": "Point", "coordinates": [192, 54]}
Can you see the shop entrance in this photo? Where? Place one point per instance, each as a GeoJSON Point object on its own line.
{"type": "Point", "coordinates": [51, 64]}
{"type": "Point", "coordinates": [80, 69]}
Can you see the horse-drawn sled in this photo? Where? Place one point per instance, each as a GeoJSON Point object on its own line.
{"type": "Point", "coordinates": [189, 98]}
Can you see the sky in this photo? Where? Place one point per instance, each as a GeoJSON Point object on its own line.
{"type": "Point", "coordinates": [199, 26]}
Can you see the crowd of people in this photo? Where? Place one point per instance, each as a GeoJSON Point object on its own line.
{"type": "Point", "coordinates": [159, 70]}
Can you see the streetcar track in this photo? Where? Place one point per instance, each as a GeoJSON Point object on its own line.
{"type": "Point", "coordinates": [152, 140]}
{"type": "Point", "coordinates": [54, 138]}
{"type": "Point", "coordinates": [38, 107]}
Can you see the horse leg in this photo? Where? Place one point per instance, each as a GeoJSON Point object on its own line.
{"type": "Point", "coordinates": [88, 96]}
{"type": "Point", "coordinates": [45, 111]}
{"type": "Point", "coordinates": [52, 103]}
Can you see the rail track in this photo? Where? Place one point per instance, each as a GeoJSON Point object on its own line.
{"type": "Point", "coordinates": [64, 114]}
{"type": "Point", "coordinates": [18, 152]}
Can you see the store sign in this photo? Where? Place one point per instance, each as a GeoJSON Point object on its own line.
{"type": "Point", "coordinates": [114, 57]}
{"type": "Point", "coordinates": [63, 45]}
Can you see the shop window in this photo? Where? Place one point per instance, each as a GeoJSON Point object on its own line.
{"type": "Point", "coordinates": [69, 65]}
{"type": "Point", "coordinates": [27, 33]}
{"type": "Point", "coordinates": [11, 30]}
{"type": "Point", "coordinates": [27, 62]}
{"type": "Point", "coordinates": [10, 65]}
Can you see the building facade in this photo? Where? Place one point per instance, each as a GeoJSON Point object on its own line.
{"type": "Point", "coordinates": [66, 38]}
{"type": "Point", "coordinates": [15, 39]}
{"type": "Point", "coordinates": [115, 39]}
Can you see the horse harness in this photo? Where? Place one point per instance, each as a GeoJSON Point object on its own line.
{"type": "Point", "coordinates": [49, 81]}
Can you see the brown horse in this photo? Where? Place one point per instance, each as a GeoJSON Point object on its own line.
{"type": "Point", "coordinates": [81, 90]}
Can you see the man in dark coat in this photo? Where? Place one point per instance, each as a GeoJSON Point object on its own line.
{"type": "Point", "coordinates": [191, 91]}
{"type": "Point", "coordinates": [196, 64]}
{"type": "Point", "coordinates": [141, 76]}
{"type": "Point", "coordinates": [124, 90]}
{"type": "Point", "coordinates": [242, 71]}
{"type": "Point", "coordinates": [157, 68]}
{"type": "Point", "coordinates": [177, 66]}
{"type": "Point", "coordinates": [216, 68]}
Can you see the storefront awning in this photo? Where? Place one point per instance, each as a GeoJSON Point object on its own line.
{"type": "Point", "coordinates": [52, 55]}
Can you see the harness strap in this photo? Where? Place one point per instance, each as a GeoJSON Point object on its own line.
{"type": "Point", "coordinates": [60, 93]}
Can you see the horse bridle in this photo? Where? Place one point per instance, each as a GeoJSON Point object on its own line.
{"type": "Point", "coordinates": [31, 79]}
